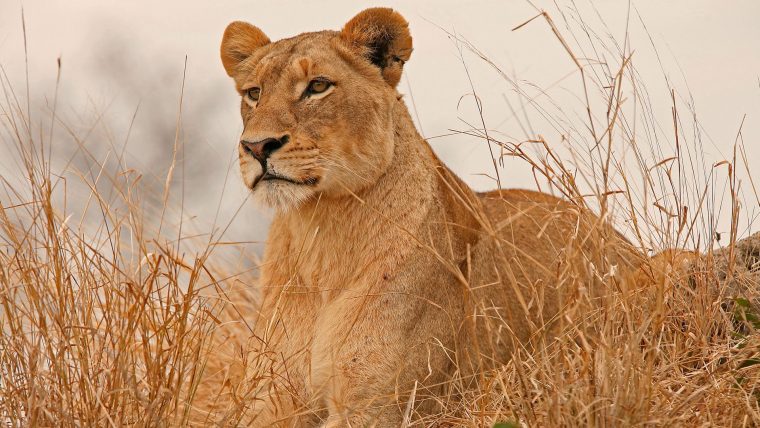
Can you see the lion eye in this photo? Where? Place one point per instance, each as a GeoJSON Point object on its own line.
{"type": "Point", "coordinates": [318, 86]}
{"type": "Point", "coordinates": [253, 94]}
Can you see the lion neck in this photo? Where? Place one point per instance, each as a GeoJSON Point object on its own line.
{"type": "Point", "coordinates": [384, 221]}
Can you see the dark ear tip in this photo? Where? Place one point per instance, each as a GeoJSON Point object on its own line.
{"type": "Point", "coordinates": [377, 19]}
{"type": "Point", "coordinates": [235, 27]}
{"type": "Point", "coordinates": [379, 13]}
{"type": "Point", "coordinates": [239, 41]}
{"type": "Point", "coordinates": [382, 36]}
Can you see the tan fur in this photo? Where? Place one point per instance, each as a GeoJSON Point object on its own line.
{"type": "Point", "coordinates": [384, 274]}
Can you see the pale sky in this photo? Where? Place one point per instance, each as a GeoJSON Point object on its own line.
{"type": "Point", "coordinates": [117, 56]}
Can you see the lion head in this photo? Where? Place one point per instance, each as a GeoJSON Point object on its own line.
{"type": "Point", "coordinates": [317, 108]}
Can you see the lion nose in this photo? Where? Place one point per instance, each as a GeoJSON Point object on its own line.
{"type": "Point", "coordinates": [261, 150]}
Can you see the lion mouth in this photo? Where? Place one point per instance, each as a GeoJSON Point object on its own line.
{"type": "Point", "coordinates": [268, 176]}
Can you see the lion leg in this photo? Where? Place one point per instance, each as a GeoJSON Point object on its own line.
{"type": "Point", "coordinates": [375, 350]}
{"type": "Point", "coordinates": [275, 386]}
{"type": "Point", "coordinates": [269, 388]}
{"type": "Point", "coordinates": [282, 409]}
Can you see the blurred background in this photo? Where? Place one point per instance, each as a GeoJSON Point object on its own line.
{"type": "Point", "coordinates": [127, 67]}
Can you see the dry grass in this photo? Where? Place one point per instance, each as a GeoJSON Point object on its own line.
{"type": "Point", "coordinates": [112, 322]}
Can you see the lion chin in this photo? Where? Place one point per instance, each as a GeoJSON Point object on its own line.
{"type": "Point", "coordinates": [277, 191]}
{"type": "Point", "coordinates": [281, 195]}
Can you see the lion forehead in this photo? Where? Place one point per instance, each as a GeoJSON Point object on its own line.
{"type": "Point", "coordinates": [320, 48]}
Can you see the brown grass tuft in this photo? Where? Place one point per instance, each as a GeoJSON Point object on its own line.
{"type": "Point", "coordinates": [112, 322]}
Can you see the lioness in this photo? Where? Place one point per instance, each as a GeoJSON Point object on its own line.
{"type": "Point", "coordinates": [385, 275]}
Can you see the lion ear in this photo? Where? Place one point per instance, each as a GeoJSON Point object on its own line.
{"type": "Point", "coordinates": [238, 43]}
{"type": "Point", "coordinates": [382, 36]}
